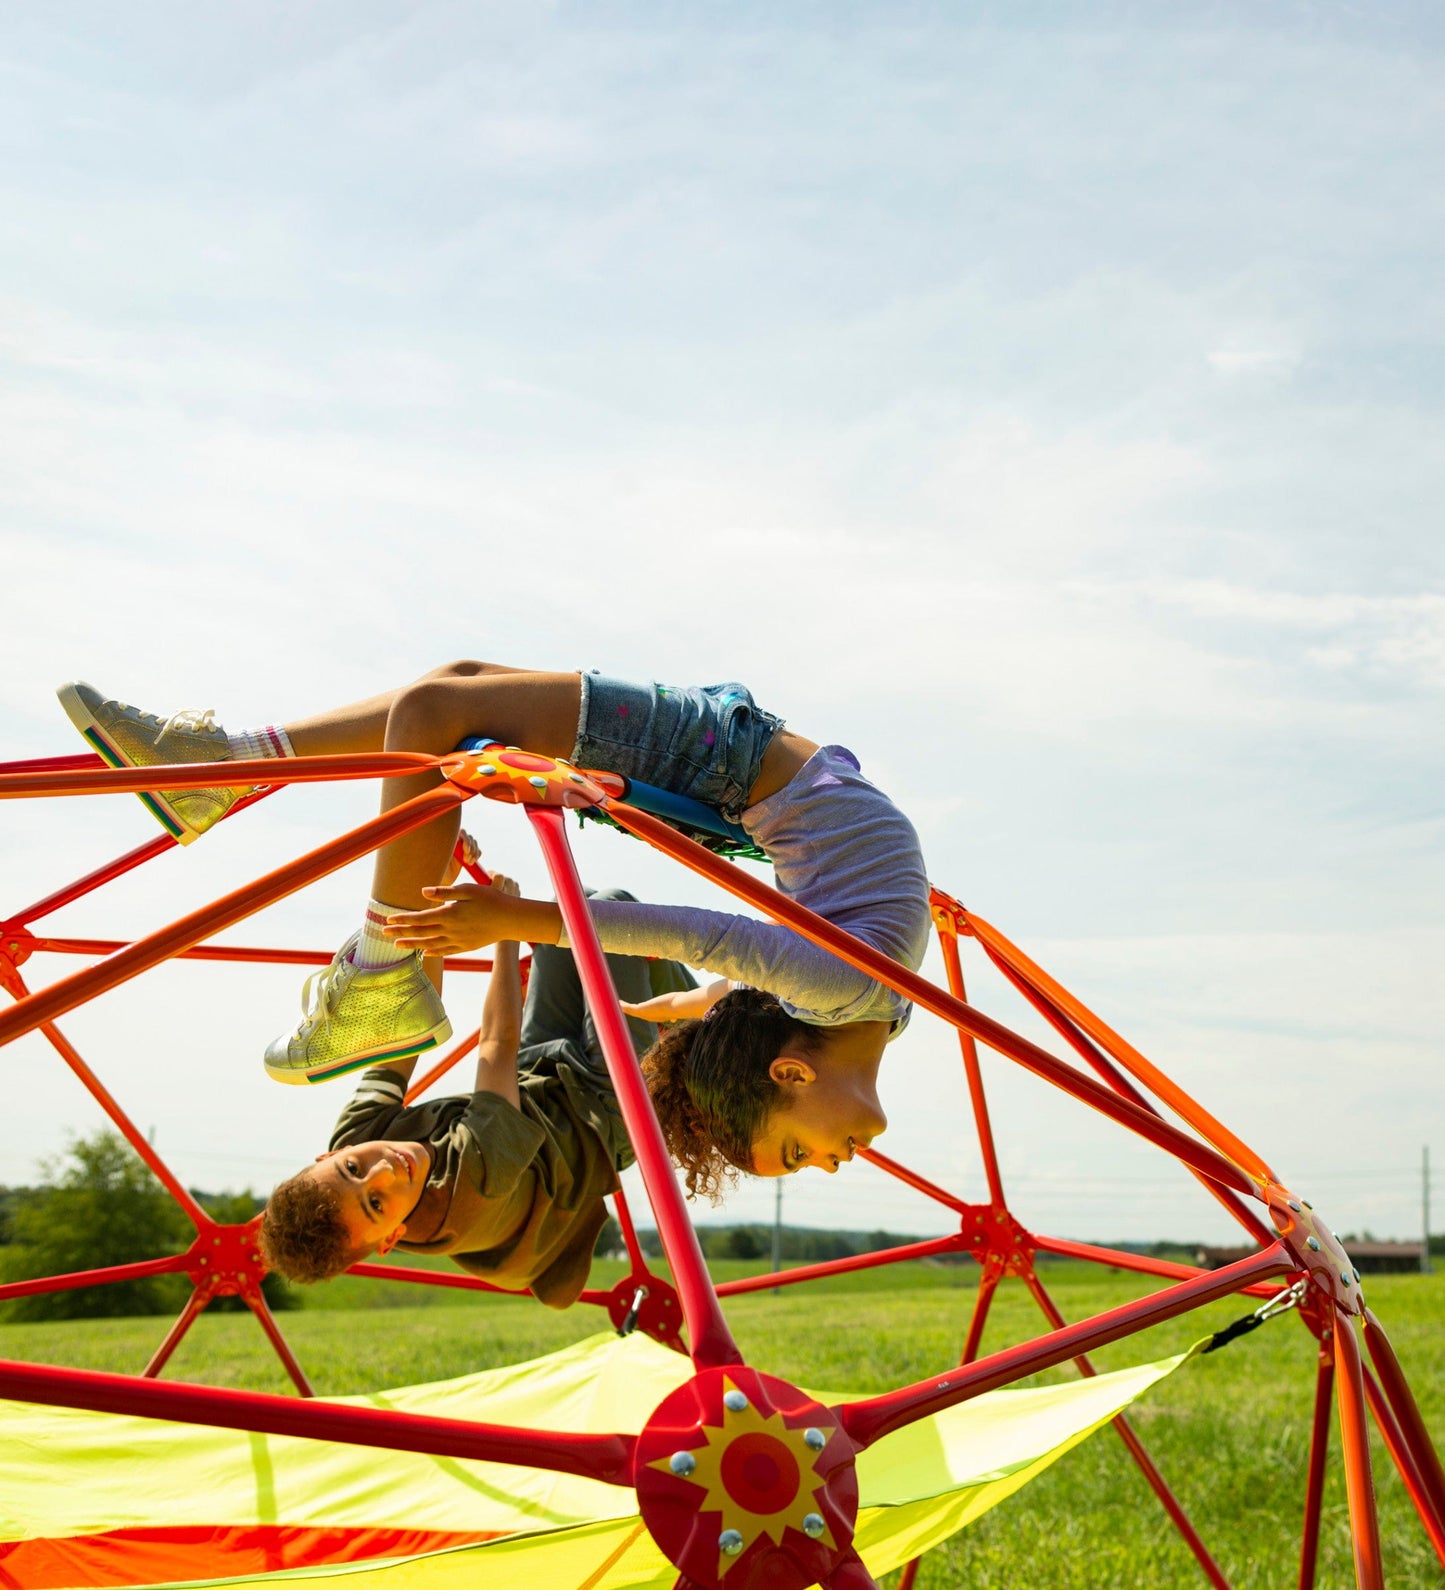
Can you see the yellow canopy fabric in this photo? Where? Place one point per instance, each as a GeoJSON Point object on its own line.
{"type": "Point", "coordinates": [67, 1473]}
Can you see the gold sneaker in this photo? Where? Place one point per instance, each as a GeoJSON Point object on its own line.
{"type": "Point", "coordinates": [128, 737]}
{"type": "Point", "coordinates": [354, 1017]}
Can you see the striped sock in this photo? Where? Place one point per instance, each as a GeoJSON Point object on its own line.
{"type": "Point", "coordinates": [372, 949]}
{"type": "Point", "coordinates": [269, 740]}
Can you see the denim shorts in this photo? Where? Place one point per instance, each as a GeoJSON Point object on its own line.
{"type": "Point", "coordinates": [706, 741]}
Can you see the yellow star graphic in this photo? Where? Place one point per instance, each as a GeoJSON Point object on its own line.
{"type": "Point", "coordinates": [755, 1471]}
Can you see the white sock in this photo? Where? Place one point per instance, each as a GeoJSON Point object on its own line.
{"type": "Point", "coordinates": [269, 740]}
{"type": "Point", "coordinates": [372, 949]}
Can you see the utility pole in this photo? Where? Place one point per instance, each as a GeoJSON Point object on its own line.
{"type": "Point", "coordinates": [1425, 1265]}
{"type": "Point", "coordinates": [778, 1230]}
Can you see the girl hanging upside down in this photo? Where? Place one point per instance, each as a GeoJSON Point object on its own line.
{"type": "Point", "coordinates": [769, 1070]}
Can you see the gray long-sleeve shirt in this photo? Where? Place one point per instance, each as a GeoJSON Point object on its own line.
{"type": "Point", "coordinates": [838, 846]}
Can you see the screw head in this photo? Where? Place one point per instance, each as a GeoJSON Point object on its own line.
{"type": "Point", "coordinates": [1293, 1205]}
{"type": "Point", "coordinates": [813, 1525]}
{"type": "Point", "coordinates": [1308, 1204]}
{"type": "Point", "coordinates": [735, 1402]}
{"type": "Point", "coordinates": [486, 770]}
{"type": "Point", "coordinates": [814, 1439]}
{"type": "Point", "coordinates": [1313, 1242]}
{"type": "Point", "coordinates": [537, 781]}
{"type": "Point", "coordinates": [1357, 1275]}
{"type": "Point", "coordinates": [730, 1543]}
{"type": "Point", "coordinates": [682, 1463]}
{"type": "Point", "coordinates": [1345, 1276]}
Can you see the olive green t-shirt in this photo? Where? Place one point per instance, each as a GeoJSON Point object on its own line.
{"type": "Point", "coordinates": [515, 1194]}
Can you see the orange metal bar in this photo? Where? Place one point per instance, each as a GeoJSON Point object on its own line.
{"type": "Point", "coordinates": [1121, 1259]}
{"type": "Point", "coordinates": [195, 1303]}
{"type": "Point", "coordinates": [1405, 1465]}
{"type": "Point", "coordinates": [954, 1011]}
{"type": "Point", "coordinates": [440, 1069]}
{"type": "Point", "coordinates": [203, 775]}
{"type": "Point", "coordinates": [948, 939]}
{"type": "Point", "coordinates": [189, 930]}
{"type": "Point", "coordinates": [1355, 1444]}
{"type": "Point", "coordinates": [230, 952]}
{"type": "Point", "coordinates": [1212, 1130]}
{"type": "Point", "coordinates": [919, 1183]}
{"type": "Point", "coordinates": [1402, 1401]}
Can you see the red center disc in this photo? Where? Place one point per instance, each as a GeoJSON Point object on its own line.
{"type": "Point", "coordinates": [526, 762]}
{"type": "Point", "coordinates": [760, 1473]}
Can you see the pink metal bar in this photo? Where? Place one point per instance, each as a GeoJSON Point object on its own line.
{"type": "Point", "coordinates": [1355, 1444]}
{"type": "Point", "coordinates": [871, 1418]}
{"type": "Point", "coordinates": [1315, 1473]}
{"type": "Point", "coordinates": [707, 1331]}
{"type": "Point", "coordinates": [1136, 1449]}
{"type": "Point", "coordinates": [195, 1303]}
{"type": "Point", "coordinates": [1120, 1259]}
{"type": "Point", "coordinates": [139, 957]}
{"type": "Point", "coordinates": [1116, 1079]}
{"type": "Point", "coordinates": [172, 1264]}
{"type": "Point", "coordinates": [595, 1457]}
{"type": "Point", "coordinates": [856, 1261]}
{"type": "Point", "coordinates": [911, 1178]}
{"type": "Point", "coordinates": [954, 1011]}
{"type": "Point", "coordinates": [972, 1072]}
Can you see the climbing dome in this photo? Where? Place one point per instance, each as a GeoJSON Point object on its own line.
{"type": "Point", "coordinates": [742, 1480]}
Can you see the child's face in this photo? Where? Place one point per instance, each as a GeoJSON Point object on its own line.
{"type": "Point", "coordinates": [828, 1112]}
{"type": "Point", "coordinates": [379, 1185]}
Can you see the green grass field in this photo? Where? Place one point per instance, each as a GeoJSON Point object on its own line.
{"type": "Point", "coordinates": [1229, 1431]}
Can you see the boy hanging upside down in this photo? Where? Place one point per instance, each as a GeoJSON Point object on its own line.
{"type": "Point", "coordinates": [507, 1181]}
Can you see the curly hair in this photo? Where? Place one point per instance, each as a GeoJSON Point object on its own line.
{"type": "Point", "coordinates": [711, 1087]}
{"type": "Point", "coordinates": [302, 1236]}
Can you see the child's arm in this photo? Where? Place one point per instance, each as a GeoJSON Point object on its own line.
{"type": "Point", "coordinates": [501, 1015]}
{"type": "Point", "coordinates": [683, 1004]}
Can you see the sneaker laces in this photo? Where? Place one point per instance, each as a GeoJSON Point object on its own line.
{"type": "Point", "coordinates": [189, 721]}
{"type": "Point", "coordinates": [317, 993]}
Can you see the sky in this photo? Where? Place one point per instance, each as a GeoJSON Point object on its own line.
{"type": "Point", "coordinates": [1044, 403]}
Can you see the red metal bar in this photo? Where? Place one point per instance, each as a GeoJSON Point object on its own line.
{"type": "Point", "coordinates": [181, 935]}
{"type": "Point", "coordinates": [230, 952]}
{"type": "Point", "coordinates": [910, 1573]}
{"type": "Point", "coordinates": [1121, 1084]}
{"type": "Point", "coordinates": [1135, 1447]}
{"type": "Point", "coordinates": [187, 1317]}
{"type": "Point", "coordinates": [969, 1049]}
{"type": "Point", "coordinates": [871, 1418]}
{"type": "Point", "coordinates": [710, 1339]}
{"type": "Point", "coordinates": [1355, 1445]}
{"type": "Point", "coordinates": [270, 771]}
{"type": "Point", "coordinates": [595, 1457]}
{"type": "Point", "coordinates": [911, 1178]}
{"type": "Point", "coordinates": [868, 960]}
{"type": "Point", "coordinates": [1405, 1464]}
{"type": "Point", "coordinates": [1164, 1087]}
{"type": "Point", "coordinates": [255, 1300]}
{"type": "Point", "coordinates": [635, 1255]}
{"type": "Point", "coordinates": [53, 764]}
{"type": "Point", "coordinates": [987, 1283]}
{"type": "Point", "coordinates": [1119, 1259]}
{"type": "Point", "coordinates": [1315, 1473]}
{"type": "Point", "coordinates": [440, 1069]}
{"type": "Point", "coordinates": [173, 1264]}
{"type": "Point", "coordinates": [117, 868]}
{"type": "Point", "coordinates": [401, 1272]}
{"type": "Point", "coordinates": [1402, 1402]}
{"type": "Point", "coordinates": [122, 1122]}
{"type": "Point", "coordinates": [855, 1261]}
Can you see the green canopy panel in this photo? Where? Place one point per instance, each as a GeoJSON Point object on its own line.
{"type": "Point", "coordinates": [93, 1499]}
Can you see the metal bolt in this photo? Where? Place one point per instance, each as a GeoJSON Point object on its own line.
{"type": "Point", "coordinates": [813, 1525]}
{"type": "Point", "coordinates": [943, 1385]}
{"type": "Point", "coordinates": [1313, 1242]}
{"type": "Point", "coordinates": [814, 1439]}
{"type": "Point", "coordinates": [1293, 1205]}
{"type": "Point", "coordinates": [486, 768]}
{"type": "Point", "coordinates": [1308, 1204]}
{"type": "Point", "coordinates": [537, 781]}
{"type": "Point", "coordinates": [682, 1464]}
{"type": "Point", "coordinates": [730, 1543]}
{"type": "Point", "coordinates": [735, 1402]}
{"type": "Point", "coordinates": [1345, 1276]}
{"type": "Point", "coordinates": [1357, 1275]}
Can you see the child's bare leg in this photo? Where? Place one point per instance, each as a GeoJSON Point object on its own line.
{"type": "Point", "coordinates": [535, 710]}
